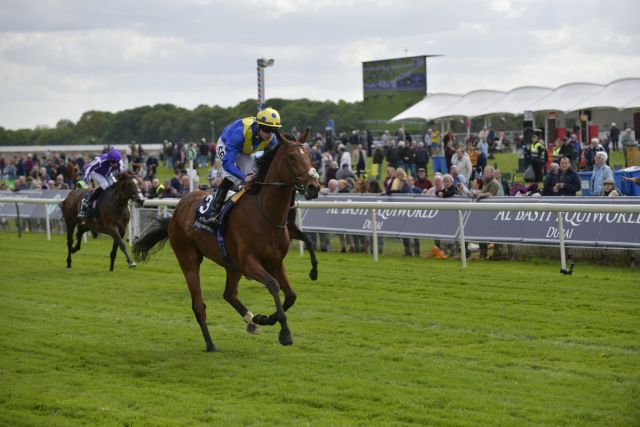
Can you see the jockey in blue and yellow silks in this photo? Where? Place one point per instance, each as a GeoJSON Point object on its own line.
{"type": "Point", "coordinates": [236, 144]}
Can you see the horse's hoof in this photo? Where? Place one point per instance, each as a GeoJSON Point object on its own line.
{"type": "Point", "coordinates": [252, 328]}
{"type": "Point", "coordinates": [285, 338]}
{"type": "Point", "coordinates": [313, 274]}
{"type": "Point", "coordinates": [259, 319]}
{"type": "Point", "coordinates": [211, 348]}
{"type": "Point", "coordinates": [132, 265]}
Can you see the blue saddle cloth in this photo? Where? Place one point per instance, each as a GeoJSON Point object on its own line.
{"type": "Point", "coordinates": [205, 212]}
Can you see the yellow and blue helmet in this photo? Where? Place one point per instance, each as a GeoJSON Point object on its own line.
{"type": "Point", "coordinates": [269, 117]}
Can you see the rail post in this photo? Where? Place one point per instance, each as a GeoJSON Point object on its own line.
{"type": "Point", "coordinates": [46, 216]}
{"type": "Point", "coordinates": [18, 220]}
{"type": "Point", "coordinates": [463, 249]}
{"type": "Point", "coordinates": [563, 257]}
{"type": "Point", "coordinates": [374, 234]}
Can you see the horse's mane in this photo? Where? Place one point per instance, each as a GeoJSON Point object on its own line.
{"type": "Point", "coordinates": [263, 163]}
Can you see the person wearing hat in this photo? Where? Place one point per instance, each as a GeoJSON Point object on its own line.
{"type": "Point", "coordinates": [238, 141]}
{"type": "Point", "coordinates": [609, 188]}
{"type": "Point", "coordinates": [421, 181]}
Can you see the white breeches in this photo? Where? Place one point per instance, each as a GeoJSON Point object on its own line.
{"type": "Point", "coordinates": [104, 182]}
{"type": "Point", "coordinates": [244, 162]}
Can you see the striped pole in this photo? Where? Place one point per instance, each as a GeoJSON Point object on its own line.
{"type": "Point", "coordinates": [260, 88]}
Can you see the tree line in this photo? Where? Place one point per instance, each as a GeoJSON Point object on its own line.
{"type": "Point", "coordinates": [154, 124]}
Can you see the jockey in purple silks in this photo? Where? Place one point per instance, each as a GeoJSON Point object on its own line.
{"type": "Point", "coordinates": [101, 171]}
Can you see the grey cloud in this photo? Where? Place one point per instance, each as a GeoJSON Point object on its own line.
{"type": "Point", "coordinates": [111, 55]}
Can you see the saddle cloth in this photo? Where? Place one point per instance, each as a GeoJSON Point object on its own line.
{"type": "Point", "coordinates": [205, 211]}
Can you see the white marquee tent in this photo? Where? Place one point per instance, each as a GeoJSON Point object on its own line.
{"type": "Point", "coordinates": [622, 94]}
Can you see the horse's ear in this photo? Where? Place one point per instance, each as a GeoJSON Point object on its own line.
{"type": "Point", "coordinates": [304, 135]}
{"type": "Point", "coordinates": [280, 137]}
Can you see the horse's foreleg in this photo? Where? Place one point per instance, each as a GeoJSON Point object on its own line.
{"type": "Point", "coordinates": [189, 261]}
{"type": "Point", "coordinates": [114, 252]}
{"type": "Point", "coordinates": [289, 294]}
{"type": "Point", "coordinates": [231, 296]}
{"type": "Point", "coordinates": [255, 270]}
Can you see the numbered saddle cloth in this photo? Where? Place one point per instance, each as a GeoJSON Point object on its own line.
{"type": "Point", "coordinates": [204, 212]}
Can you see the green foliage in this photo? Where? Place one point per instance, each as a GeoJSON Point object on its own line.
{"type": "Point", "coordinates": [154, 124]}
{"type": "Point", "coordinates": [399, 342]}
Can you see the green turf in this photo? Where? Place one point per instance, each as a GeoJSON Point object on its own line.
{"type": "Point", "coordinates": [402, 341]}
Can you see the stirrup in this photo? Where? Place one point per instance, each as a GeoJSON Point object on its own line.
{"type": "Point", "coordinates": [215, 219]}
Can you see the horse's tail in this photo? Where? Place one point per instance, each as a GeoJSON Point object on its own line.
{"type": "Point", "coordinates": [156, 234]}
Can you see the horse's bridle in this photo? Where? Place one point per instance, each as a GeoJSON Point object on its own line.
{"type": "Point", "coordinates": [297, 181]}
{"type": "Point", "coordinates": [139, 201]}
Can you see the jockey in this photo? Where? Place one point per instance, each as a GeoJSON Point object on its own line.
{"type": "Point", "coordinates": [236, 144]}
{"type": "Point", "coordinates": [100, 171]}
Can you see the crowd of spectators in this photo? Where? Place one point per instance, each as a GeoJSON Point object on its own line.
{"type": "Point", "coordinates": [344, 167]}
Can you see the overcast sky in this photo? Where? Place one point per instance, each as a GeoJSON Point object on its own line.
{"type": "Point", "coordinates": [60, 58]}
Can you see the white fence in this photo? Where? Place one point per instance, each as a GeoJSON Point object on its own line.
{"type": "Point", "coordinates": [460, 207]}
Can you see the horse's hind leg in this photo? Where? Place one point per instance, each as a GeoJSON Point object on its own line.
{"type": "Point", "coordinates": [113, 254]}
{"type": "Point", "coordinates": [231, 296]}
{"type": "Point", "coordinates": [298, 234]}
{"type": "Point", "coordinates": [70, 230]}
{"type": "Point", "coordinates": [117, 239]}
{"type": "Point", "coordinates": [255, 270]}
{"type": "Point", "coordinates": [79, 234]}
{"type": "Point", "coordinates": [189, 260]}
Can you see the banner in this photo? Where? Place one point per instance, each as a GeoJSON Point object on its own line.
{"type": "Point", "coordinates": [580, 228]}
{"type": "Point", "coordinates": [389, 222]}
{"type": "Point", "coordinates": [526, 227]}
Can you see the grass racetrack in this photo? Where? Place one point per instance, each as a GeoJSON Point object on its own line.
{"type": "Point", "coordinates": [401, 341]}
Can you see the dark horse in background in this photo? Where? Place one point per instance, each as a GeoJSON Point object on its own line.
{"type": "Point", "coordinates": [256, 235]}
{"type": "Point", "coordinates": [111, 216]}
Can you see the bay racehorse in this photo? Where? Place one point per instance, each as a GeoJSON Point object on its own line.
{"type": "Point", "coordinates": [255, 232]}
{"type": "Point", "coordinates": [111, 216]}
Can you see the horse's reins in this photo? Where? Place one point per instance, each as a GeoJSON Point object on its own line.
{"type": "Point", "coordinates": [298, 186]}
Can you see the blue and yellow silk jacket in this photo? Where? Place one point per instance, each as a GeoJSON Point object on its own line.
{"type": "Point", "coordinates": [242, 136]}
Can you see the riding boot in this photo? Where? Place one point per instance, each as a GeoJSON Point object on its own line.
{"type": "Point", "coordinates": [221, 194]}
{"type": "Point", "coordinates": [89, 211]}
{"type": "Point", "coordinates": [82, 213]}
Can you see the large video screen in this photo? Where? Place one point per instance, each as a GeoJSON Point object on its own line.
{"type": "Point", "coordinates": [392, 85]}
